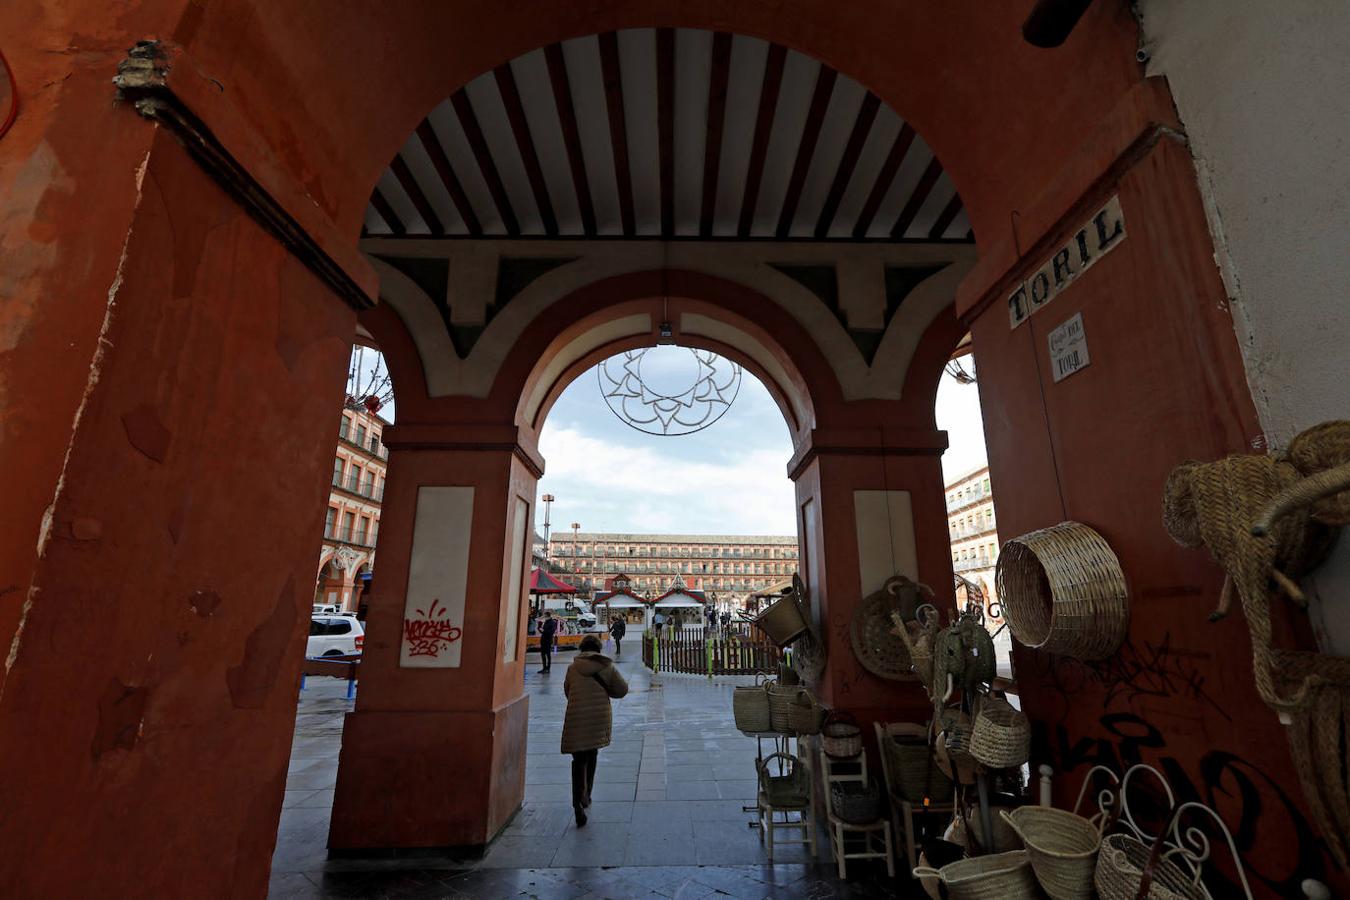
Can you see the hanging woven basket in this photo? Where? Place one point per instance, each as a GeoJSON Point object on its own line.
{"type": "Point", "coordinates": [808, 657]}
{"type": "Point", "coordinates": [750, 707]}
{"type": "Point", "coordinates": [875, 643]}
{"type": "Point", "coordinates": [840, 736]}
{"type": "Point", "coordinates": [1001, 737]}
{"type": "Point", "coordinates": [784, 621]}
{"type": "Point", "coordinates": [1063, 591]}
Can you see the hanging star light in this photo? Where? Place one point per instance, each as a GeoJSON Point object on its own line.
{"type": "Point", "coordinates": [716, 384]}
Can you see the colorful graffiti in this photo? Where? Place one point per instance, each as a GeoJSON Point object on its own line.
{"type": "Point", "coordinates": [430, 634]}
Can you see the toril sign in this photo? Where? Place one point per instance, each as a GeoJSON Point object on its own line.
{"type": "Point", "coordinates": [1098, 237]}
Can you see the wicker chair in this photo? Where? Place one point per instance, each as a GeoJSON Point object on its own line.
{"type": "Point", "coordinates": [777, 815]}
{"type": "Point", "coordinates": [902, 810]}
{"type": "Point", "coordinates": [874, 838]}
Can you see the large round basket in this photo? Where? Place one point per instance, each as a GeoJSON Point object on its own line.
{"type": "Point", "coordinates": [1001, 737]}
{"type": "Point", "coordinates": [840, 736]}
{"type": "Point", "coordinates": [783, 621]}
{"type": "Point", "coordinates": [750, 708]}
{"type": "Point", "coordinates": [1001, 876]}
{"type": "Point", "coordinates": [1062, 591]}
{"type": "Point", "coordinates": [1062, 848]}
{"type": "Point", "coordinates": [808, 657]}
{"type": "Point", "coordinates": [782, 698]}
{"type": "Point", "coordinates": [1120, 866]}
{"type": "Point", "coordinates": [876, 645]}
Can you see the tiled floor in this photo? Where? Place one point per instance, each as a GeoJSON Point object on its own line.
{"type": "Point", "coordinates": [666, 818]}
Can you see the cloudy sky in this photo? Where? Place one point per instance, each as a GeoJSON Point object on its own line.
{"type": "Point", "coordinates": [730, 478]}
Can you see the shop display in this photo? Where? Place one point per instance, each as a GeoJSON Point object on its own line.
{"type": "Point", "coordinates": [840, 736]}
{"type": "Point", "coordinates": [875, 644]}
{"type": "Point", "coordinates": [1002, 735]}
{"type": "Point", "coordinates": [1267, 520]}
{"type": "Point", "coordinates": [1062, 847]}
{"type": "Point", "coordinates": [1002, 876]}
{"type": "Point", "coordinates": [1063, 591]}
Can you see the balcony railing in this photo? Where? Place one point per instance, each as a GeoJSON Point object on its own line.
{"type": "Point", "coordinates": [356, 536]}
{"type": "Point", "coordinates": [971, 496]}
{"type": "Point", "coordinates": [965, 565]}
{"type": "Point", "coordinates": [370, 443]}
{"type": "Point", "coordinates": [365, 489]}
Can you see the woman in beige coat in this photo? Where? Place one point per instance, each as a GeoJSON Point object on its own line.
{"type": "Point", "coordinates": [590, 683]}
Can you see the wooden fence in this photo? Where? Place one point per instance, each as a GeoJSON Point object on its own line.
{"type": "Point", "coordinates": [735, 650]}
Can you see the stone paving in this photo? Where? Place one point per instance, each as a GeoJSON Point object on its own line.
{"type": "Point", "coordinates": [666, 819]}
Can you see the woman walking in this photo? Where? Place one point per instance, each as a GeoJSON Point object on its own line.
{"type": "Point", "coordinates": [590, 683]}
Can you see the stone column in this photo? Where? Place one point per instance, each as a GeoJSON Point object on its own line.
{"type": "Point", "coordinates": [870, 504]}
{"type": "Point", "coordinates": [433, 756]}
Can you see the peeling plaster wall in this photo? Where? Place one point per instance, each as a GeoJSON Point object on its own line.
{"type": "Point", "coordinates": [1262, 91]}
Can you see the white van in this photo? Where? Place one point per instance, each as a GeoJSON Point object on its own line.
{"type": "Point", "coordinates": [335, 636]}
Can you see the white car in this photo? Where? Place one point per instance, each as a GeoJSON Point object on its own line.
{"type": "Point", "coordinates": [335, 636]}
{"type": "Point", "coordinates": [585, 621]}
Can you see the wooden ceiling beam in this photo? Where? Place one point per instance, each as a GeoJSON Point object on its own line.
{"type": "Point", "coordinates": [441, 163]}
{"type": "Point", "coordinates": [665, 125]}
{"type": "Point", "coordinates": [567, 117]}
{"type": "Point", "coordinates": [473, 132]}
{"type": "Point", "coordinates": [712, 146]}
{"type": "Point", "coordinates": [618, 127]}
{"type": "Point", "coordinates": [377, 200]}
{"type": "Point", "coordinates": [529, 155]}
{"type": "Point", "coordinates": [917, 198]}
{"type": "Point", "coordinates": [862, 127]}
{"type": "Point", "coordinates": [945, 218]}
{"type": "Point", "coordinates": [399, 167]}
{"type": "Point", "coordinates": [759, 146]}
{"type": "Point", "coordinates": [806, 148]}
{"type": "Point", "coordinates": [885, 175]}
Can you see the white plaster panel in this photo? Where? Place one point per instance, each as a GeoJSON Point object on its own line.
{"type": "Point", "coordinates": [433, 612]}
{"type": "Point", "coordinates": [515, 592]}
{"type": "Point", "coordinates": [885, 527]}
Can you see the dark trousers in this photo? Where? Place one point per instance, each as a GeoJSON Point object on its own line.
{"type": "Point", "coordinates": [546, 654]}
{"type": "Point", "coordinates": [583, 774]}
{"type": "Point", "coordinates": [617, 650]}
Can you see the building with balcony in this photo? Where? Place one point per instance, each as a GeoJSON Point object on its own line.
{"type": "Point", "coordinates": [352, 522]}
{"type": "Point", "coordinates": [973, 532]}
{"type": "Point", "coordinates": [730, 564]}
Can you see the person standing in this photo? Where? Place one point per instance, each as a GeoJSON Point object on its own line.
{"type": "Point", "coordinates": [658, 622]}
{"type": "Point", "coordinates": [617, 630]}
{"type": "Point", "coordinates": [591, 682]}
{"type": "Point", "coordinates": [548, 629]}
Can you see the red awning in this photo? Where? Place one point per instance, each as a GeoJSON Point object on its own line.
{"type": "Point", "coordinates": [542, 582]}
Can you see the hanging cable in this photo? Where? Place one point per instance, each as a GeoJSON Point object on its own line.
{"type": "Point", "coordinates": [13, 96]}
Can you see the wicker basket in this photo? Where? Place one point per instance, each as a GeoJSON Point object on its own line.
{"type": "Point", "coordinates": [781, 700]}
{"type": "Point", "coordinates": [1062, 591]}
{"type": "Point", "coordinates": [750, 707]}
{"type": "Point", "coordinates": [784, 621]}
{"type": "Point", "coordinates": [1062, 847]}
{"type": "Point", "coordinates": [789, 790]}
{"type": "Point", "coordinates": [840, 736]}
{"type": "Point", "coordinates": [808, 657]}
{"type": "Point", "coordinates": [1121, 863]}
{"type": "Point", "coordinates": [1002, 876]}
{"type": "Point", "coordinates": [1002, 735]}
{"type": "Point", "coordinates": [855, 802]}
{"type": "Point", "coordinates": [788, 675]}
{"type": "Point", "coordinates": [876, 645]}
{"type": "Point", "coordinates": [916, 773]}
{"type": "Point", "coordinates": [806, 715]}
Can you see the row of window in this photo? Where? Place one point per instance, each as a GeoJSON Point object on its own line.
{"type": "Point", "coordinates": [968, 493]}
{"type": "Point", "coordinates": [648, 585]}
{"type": "Point", "coordinates": [981, 553]}
{"type": "Point", "coordinates": [351, 477]}
{"type": "Point", "coordinates": [355, 433]}
{"type": "Point", "coordinates": [635, 567]}
{"type": "Point", "coordinates": [562, 547]}
{"type": "Point", "coordinates": [354, 529]}
{"type": "Point", "coordinates": [973, 523]}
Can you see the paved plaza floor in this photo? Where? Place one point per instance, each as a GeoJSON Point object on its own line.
{"type": "Point", "coordinates": [666, 820]}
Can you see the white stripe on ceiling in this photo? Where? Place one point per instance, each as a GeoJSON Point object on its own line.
{"type": "Point", "coordinates": [960, 225]}
{"type": "Point", "coordinates": [403, 206]}
{"type": "Point", "coordinates": [588, 96]}
{"type": "Point", "coordinates": [744, 83]}
{"type": "Point", "coordinates": [637, 65]}
{"type": "Point", "coordinates": [693, 67]}
{"type": "Point", "coordinates": [373, 223]}
{"type": "Point", "coordinates": [419, 163]}
{"type": "Point", "coordinates": [541, 112]}
{"type": "Point", "coordinates": [942, 191]}
{"type": "Point", "coordinates": [490, 111]}
{"type": "Point", "coordinates": [885, 128]}
{"type": "Point", "coordinates": [794, 102]}
{"type": "Point", "coordinates": [840, 116]}
{"type": "Point", "coordinates": [451, 135]}
{"type": "Point", "coordinates": [908, 175]}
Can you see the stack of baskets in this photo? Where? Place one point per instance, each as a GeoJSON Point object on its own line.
{"type": "Point", "coordinates": [1062, 847]}
{"type": "Point", "coordinates": [750, 707]}
{"type": "Point", "coordinates": [794, 710]}
{"type": "Point", "coordinates": [840, 736]}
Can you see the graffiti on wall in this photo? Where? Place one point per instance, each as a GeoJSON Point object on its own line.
{"type": "Point", "coordinates": [430, 632]}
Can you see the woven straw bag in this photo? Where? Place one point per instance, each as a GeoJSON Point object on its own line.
{"type": "Point", "coordinates": [750, 707]}
{"type": "Point", "coordinates": [875, 644]}
{"type": "Point", "coordinates": [782, 697]}
{"type": "Point", "coordinates": [784, 620]}
{"type": "Point", "coordinates": [1120, 867]}
{"type": "Point", "coordinates": [1002, 876]}
{"type": "Point", "coordinates": [840, 736]}
{"type": "Point", "coordinates": [789, 790]}
{"type": "Point", "coordinates": [1001, 738]}
{"type": "Point", "coordinates": [806, 715]}
{"type": "Point", "coordinates": [916, 773]}
{"type": "Point", "coordinates": [856, 802]}
{"type": "Point", "coordinates": [1062, 847]}
{"type": "Point", "coordinates": [1062, 591]}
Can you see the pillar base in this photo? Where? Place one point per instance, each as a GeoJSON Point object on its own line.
{"type": "Point", "coordinates": [413, 780]}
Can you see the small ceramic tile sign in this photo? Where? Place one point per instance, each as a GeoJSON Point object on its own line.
{"type": "Point", "coordinates": [433, 613]}
{"type": "Point", "coordinates": [1068, 348]}
{"type": "Point", "coordinates": [1097, 237]}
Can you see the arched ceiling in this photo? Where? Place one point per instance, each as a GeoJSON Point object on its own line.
{"type": "Point", "coordinates": [666, 133]}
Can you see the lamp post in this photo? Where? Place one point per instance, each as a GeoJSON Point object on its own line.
{"type": "Point", "coordinates": [576, 561]}
{"type": "Point", "coordinates": [548, 505]}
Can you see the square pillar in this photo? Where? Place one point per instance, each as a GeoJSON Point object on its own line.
{"type": "Point", "coordinates": [870, 506]}
{"type": "Point", "coordinates": [433, 755]}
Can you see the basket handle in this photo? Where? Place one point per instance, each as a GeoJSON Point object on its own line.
{"type": "Point", "coordinates": [926, 872]}
{"type": "Point", "coordinates": [842, 716]}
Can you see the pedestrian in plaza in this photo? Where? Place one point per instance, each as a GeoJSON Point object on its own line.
{"type": "Point", "coordinates": [726, 618]}
{"type": "Point", "coordinates": [548, 628]}
{"type": "Point", "coordinates": [658, 622]}
{"type": "Point", "coordinates": [591, 682]}
{"type": "Point", "coordinates": [617, 630]}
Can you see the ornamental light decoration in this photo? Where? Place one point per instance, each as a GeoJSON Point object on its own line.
{"type": "Point", "coordinates": [688, 407]}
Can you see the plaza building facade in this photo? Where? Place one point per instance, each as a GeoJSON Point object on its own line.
{"type": "Point", "coordinates": [736, 564]}
{"type": "Point", "coordinates": [973, 532]}
{"type": "Point", "coordinates": [352, 520]}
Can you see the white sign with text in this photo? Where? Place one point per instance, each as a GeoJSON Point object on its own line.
{"type": "Point", "coordinates": [1102, 234]}
{"type": "Point", "coordinates": [438, 574]}
{"type": "Point", "coordinates": [1068, 348]}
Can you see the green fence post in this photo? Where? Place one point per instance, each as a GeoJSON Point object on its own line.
{"type": "Point", "coordinates": [656, 652]}
{"type": "Point", "coordinates": [708, 649]}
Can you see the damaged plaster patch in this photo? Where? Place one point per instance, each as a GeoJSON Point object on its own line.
{"type": "Point", "coordinates": [121, 711]}
{"type": "Point", "coordinates": [147, 433]}
{"type": "Point", "coordinates": [203, 603]}
{"type": "Point", "coordinates": [95, 369]}
{"type": "Point", "coordinates": [251, 681]}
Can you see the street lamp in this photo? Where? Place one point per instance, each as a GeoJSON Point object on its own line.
{"type": "Point", "coordinates": [548, 505]}
{"type": "Point", "coordinates": [576, 561]}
